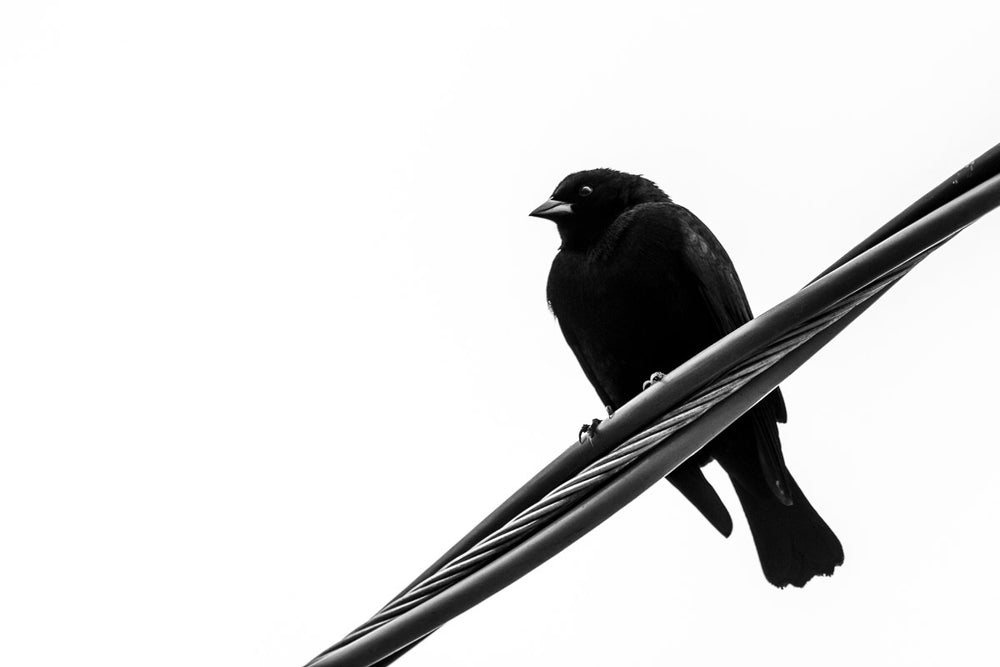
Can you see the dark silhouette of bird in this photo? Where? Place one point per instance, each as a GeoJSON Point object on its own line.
{"type": "Point", "coordinates": [639, 286]}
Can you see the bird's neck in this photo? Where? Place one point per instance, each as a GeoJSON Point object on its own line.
{"type": "Point", "coordinates": [581, 235]}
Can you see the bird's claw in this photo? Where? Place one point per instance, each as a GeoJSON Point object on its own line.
{"type": "Point", "coordinates": [653, 379]}
{"type": "Point", "coordinates": [588, 429]}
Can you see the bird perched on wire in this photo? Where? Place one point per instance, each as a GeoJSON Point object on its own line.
{"type": "Point", "coordinates": [639, 286]}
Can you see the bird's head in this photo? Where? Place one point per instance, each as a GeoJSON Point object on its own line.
{"type": "Point", "coordinates": [584, 204]}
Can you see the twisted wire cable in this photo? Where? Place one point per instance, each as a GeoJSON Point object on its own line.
{"type": "Point", "coordinates": [587, 480]}
{"type": "Point", "coordinates": [652, 436]}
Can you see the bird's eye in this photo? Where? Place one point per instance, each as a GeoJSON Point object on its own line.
{"type": "Point", "coordinates": [586, 190]}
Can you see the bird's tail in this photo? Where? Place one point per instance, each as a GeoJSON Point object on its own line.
{"type": "Point", "coordinates": [793, 542]}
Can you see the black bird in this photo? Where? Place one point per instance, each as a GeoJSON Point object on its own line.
{"type": "Point", "coordinates": [639, 286]}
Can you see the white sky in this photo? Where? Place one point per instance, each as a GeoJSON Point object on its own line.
{"type": "Point", "coordinates": [274, 332]}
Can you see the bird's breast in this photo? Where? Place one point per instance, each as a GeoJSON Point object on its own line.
{"type": "Point", "coordinates": [623, 322]}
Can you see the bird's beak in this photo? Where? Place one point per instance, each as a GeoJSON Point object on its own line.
{"type": "Point", "coordinates": [553, 210]}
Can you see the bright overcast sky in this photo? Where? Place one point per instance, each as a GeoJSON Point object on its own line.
{"type": "Point", "coordinates": [274, 331]}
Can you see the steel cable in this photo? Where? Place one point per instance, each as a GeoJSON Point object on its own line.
{"type": "Point", "coordinates": [571, 491]}
{"type": "Point", "coordinates": [732, 375]}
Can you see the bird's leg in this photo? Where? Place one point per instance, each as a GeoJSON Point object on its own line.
{"type": "Point", "coordinates": [653, 379]}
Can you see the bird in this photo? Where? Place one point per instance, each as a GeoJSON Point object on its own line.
{"type": "Point", "coordinates": [638, 286]}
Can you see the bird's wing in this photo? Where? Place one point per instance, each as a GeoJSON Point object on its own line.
{"type": "Point", "coordinates": [690, 481]}
{"type": "Point", "coordinates": [726, 305]}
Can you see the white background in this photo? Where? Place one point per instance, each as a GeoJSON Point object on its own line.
{"type": "Point", "coordinates": [274, 332]}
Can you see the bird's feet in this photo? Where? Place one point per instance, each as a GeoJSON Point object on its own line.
{"type": "Point", "coordinates": [588, 430]}
{"type": "Point", "coordinates": [653, 379]}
